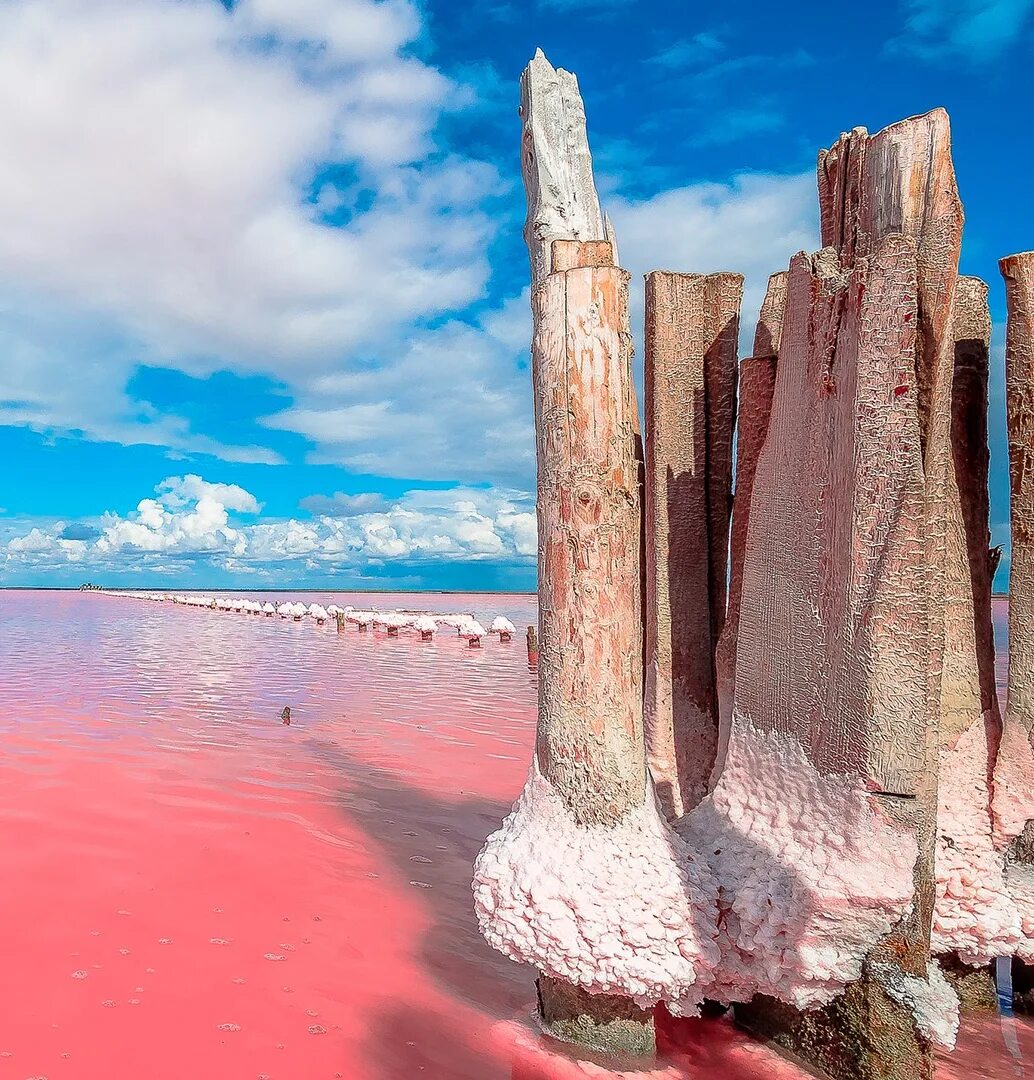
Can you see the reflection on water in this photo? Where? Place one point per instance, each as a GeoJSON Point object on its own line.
{"type": "Point", "coordinates": [193, 888]}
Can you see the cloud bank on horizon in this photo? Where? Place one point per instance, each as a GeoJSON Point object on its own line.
{"type": "Point", "coordinates": [261, 264]}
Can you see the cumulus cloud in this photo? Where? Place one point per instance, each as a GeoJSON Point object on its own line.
{"type": "Point", "coordinates": [153, 197]}
{"type": "Point", "coordinates": [750, 225]}
{"type": "Point", "coordinates": [190, 520]}
{"type": "Point", "coordinates": [268, 190]}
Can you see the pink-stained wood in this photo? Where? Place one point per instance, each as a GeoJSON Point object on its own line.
{"type": "Point", "coordinates": [692, 323]}
{"type": "Point", "coordinates": [969, 634]}
{"type": "Point", "coordinates": [590, 733]}
{"type": "Point", "coordinates": [754, 406]}
{"type": "Point", "coordinates": [1013, 798]}
{"type": "Point", "coordinates": [571, 254]}
{"type": "Point", "coordinates": [828, 646]}
{"type": "Point", "coordinates": [841, 637]}
{"type": "Point", "coordinates": [1018, 271]}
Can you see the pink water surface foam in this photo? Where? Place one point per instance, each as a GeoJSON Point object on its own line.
{"type": "Point", "coordinates": [192, 888]}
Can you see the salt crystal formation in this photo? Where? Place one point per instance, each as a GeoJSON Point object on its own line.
{"type": "Point", "coordinates": [932, 1002]}
{"type": "Point", "coordinates": [1013, 783]}
{"type": "Point", "coordinates": [615, 909]}
{"type": "Point", "coordinates": [811, 874]}
{"type": "Point", "coordinates": [974, 915]}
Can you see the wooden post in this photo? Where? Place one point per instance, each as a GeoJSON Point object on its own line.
{"type": "Point", "coordinates": [757, 374]}
{"type": "Point", "coordinates": [1018, 271]}
{"type": "Point", "coordinates": [692, 325]}
{"type": "Point", "coordinates": [590, 738]}
{"type": "Point", "coordinates": [1014, 769]}
{"type": "Point", "coordinates": [974, 918]}
{"type": "Point", "coordinates": [590, 751]}
{"type": "Point", "coordinates": [842, 625]}
{"type": "Point", "coordinates": [972, 325]}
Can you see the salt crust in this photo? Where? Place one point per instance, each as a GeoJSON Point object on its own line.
{"type": "Point", "coordinates": [932, 1001]}
{"type": "Point", "coordinates": [974, 914]}
{"type": "Point", "coordinates": [623, 909]}
{"type": "Point", "coordinates": [1013, 783]}
{"type": "Point", "coordinates": [812, 874]}
{"type": "Point", "coordinates": [1019, 880]}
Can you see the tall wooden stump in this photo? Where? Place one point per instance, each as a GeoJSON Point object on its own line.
{"type": "Point", "coordinates": [757, 374]}
{"type": "Point", "coordinates": [974, 918]}
{"type": "Point", "coordinates": [692, 324]}
{"type": "Point", "coordinates": [560, 884]}
{"type": "Point", "coordinates": [1018, 271]}
{"type": "Point", "coordinates": [841, 631]}
{"type": "Point", "coordinates": [590, 736]}
{"type": "Point", "coordinates": [1014, 769]}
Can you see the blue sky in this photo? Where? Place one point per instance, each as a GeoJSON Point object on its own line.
{"type": "Point", "coordinates": [263, 319]}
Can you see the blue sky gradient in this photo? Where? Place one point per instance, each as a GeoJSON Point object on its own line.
{"type": "Point", "coordinates": [263, 312]}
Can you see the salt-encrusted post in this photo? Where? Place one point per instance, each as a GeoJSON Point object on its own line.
{"type": "Point", "coordinates": [1014, 770]}
{"type": "Point", "coordinates": [829, 780]}
{"type": "Point", "coordinates": [563, 884]}
{"type": "Point", "coordinates": [590, 737]}
{"type": "Point", "coordinates": [974, 919]}
{"type": "Point", "coordinates": [692, 323]}
{"type": "Point", "coordinates": [754, 405]}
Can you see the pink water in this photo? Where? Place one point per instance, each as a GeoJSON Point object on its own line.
{"type": "Point", "coordinates": [193, 889]}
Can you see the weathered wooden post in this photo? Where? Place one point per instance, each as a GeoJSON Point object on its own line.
{"type": "Point", "coordinates": [533, 648]}
{"type": "Point", "coordinates": [757, 375]}
{"type": "Point", "coordinates": [692, 325]}
{"type": "Point", "coordinates": [1014, 770]}
{"type": "Point", "coordinates": [974, 919]}
{"type": "Point", "coordinates": [823, 818]}
{"type": "Point", "coordinates": [563, 884]}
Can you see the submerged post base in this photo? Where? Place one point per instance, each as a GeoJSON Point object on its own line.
{"type": "Point", "coordinates": [975, 986]}
{"type": "Point", "coordinates": [606, 1023]}
{"type": "Point", "coordinates": [862, 1035]}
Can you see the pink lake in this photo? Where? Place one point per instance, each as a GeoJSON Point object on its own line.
{"type": "Point", "coordinates": [193, 889]}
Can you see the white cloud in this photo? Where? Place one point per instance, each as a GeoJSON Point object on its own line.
{"type": "Point", "coordinates": [152, 196]}
{"type": "Point", "coordinates": [751, 225]}
{"type": "Point", "coordinates": [154, 208]}
{"type": "Point", "coordinates": [190, 520]}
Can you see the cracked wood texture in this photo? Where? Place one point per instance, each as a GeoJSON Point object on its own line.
{"type": "Point", "coordinates": [1018, 271]}
{"type": "Point", "coordinates": [849, 549]}
{"type": "Point", "coordinates": [590, 733]}
{"type": "Point", "coordinates": [692, 325]}
{"type": "Point", "coordinates": [754, 405]}
{"type": "Point", "coordinates": [971, 456]}
{"type": "Point", "coordinates": [557, 165]}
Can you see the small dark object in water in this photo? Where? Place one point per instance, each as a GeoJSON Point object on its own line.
{"type": "Point", "coordinates": [995, 557]}
{"type": "Point", "coordinates": [286, 714]}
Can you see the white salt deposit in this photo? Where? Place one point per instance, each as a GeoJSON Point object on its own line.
{"type": "Point", "coordinates": [623, 909]}
{"type": "Point", "coordinates": [812, 873]}
{"type": "Point", "coordinates": [502, 625]}
{"type": "Point", "coordinates": [933, 1003]}
{"type": "Point", "coordinates": [974, 915]}
{"type": "Point", "coordinates": [1013, 783]}
{"type": "Point", "coordinates": [1019, 880]}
